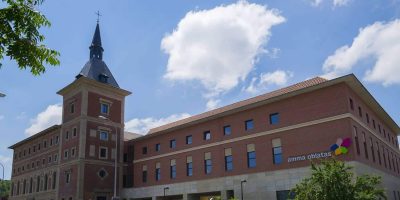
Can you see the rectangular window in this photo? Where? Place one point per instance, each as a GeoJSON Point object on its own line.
{"type": "Point", "coordinates": [103, 152]}
{"type": "Point", "coordinates": [207, 135]}
{"type": "Point", "coordinates": [68, 177]}
{"type": "Point", "coordinates": [104, 135]}
{"type": "Point", "coordinates": [248, 124]}
{"type": "Point", "coordinates": [49, 161]}
{"type": "Point", "coordinates": [189, 139]}
{"type": "Point", "coordinates": [274, 118]}
{"type": "Point", "coordinates": [71, 108]}
{"type": "Point", "coordinates": [158, 174]}
{"type": "Point", "coordinates": [367, 116]}
{"type": "Point", "coordinates": [66, 154]}
{"type": "Point", "coordinates": [356, 140]}
{"type": "Point", "coordinates": [207, 163]}
{"type": "Point", "coordinates": [372, 149]}
{"type": "Point", "coordinates": [228, 163]}
{"type": "Point", "coordinates": [55, 158]}
{"type": "Point", "coordinates": [144, 150]}
{"type": "Point", "coordinates": [351, 104]}
{"type": "Point", "coordinates": [379, 128]}
{"type": "Point", "coordinates": [104, 109]}
{"type": "Point", "coordinates": [172, 144]}
{"type": "Point", "coordinates": [384, 156]}
{"type": "Point", "coordinates": [144, 176]}
{"type": "Point", "coordinates": [45, 144]}
{"type": "Point", "coordinates": [277, 151]}
{"type": "Point", "coordinates": [158, 147]}
{"type": "Point", "coordinates": [74, 132]}
{"type": "Point", "coordinates": [251, 156]}
{"type": "Point", "coordinates": [284, 195]}
{"type": "Point", "coordinates": [379, 153]}
{"type": "Point", "coordinates": [57, 139]}
{"type": "Point", "coordinates": [173, 169]}
{"type": "Point", "coordinates": [228, 159]}
{"type": "Point", "coordinates": [189, 166]}
{"type": "Point", "coordinates": [66, 135]}
{"type": "Point", "coordinates": [365, 145]}
{"type": "Point", "coordinates": [73, 150]}
{"type": "Point", "coordinates": [359, 111]}
{"type": "Point", "coordinates": [227, 130]}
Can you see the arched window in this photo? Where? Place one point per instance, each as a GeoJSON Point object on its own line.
{"type": "Point", "coordinates": [38, 184]}
{"type": "Point", "coordinates": [24, 187]}
{"type": "Point", "coordinates": [54, 180]}
{"type": "Point", "coordinates": [45, 182]}
{"type": "Point", "coordinates": [18, 188]}
{"type": "Point", "coordinates": [31, 185]}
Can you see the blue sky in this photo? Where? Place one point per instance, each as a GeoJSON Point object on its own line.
{"type": "Point", "coordinates": [180, 58]}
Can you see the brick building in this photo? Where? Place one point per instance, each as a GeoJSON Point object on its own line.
{"type": "Point", "coordinates": [258, 148]}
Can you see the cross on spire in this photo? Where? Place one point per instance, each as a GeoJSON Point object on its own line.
{"type": "Point", "coordinates": [98, 16]}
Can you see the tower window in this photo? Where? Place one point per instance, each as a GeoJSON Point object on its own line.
{"type": "Point", "coordinates": [104, 108]}
{"type": "Point", "coordinates": [103, 78]}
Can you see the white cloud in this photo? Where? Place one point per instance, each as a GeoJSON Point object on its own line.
{"type": "Point", "coordinates": [143, 125]}
{"type": "Point", "coordinates": [278, 78]}
{"type": "Point", "coordinates": [50, 116]}
{"type": "Point", "coordinates": [212, 103]}
{"type": "Point", "coordinates": [335, 3]}
{"type": "Point", "coordinates": [219, 47]}
{"type": "Point", "coordinates": [379, 42]}
{"type": "Point", "coordinates": [338, 3]}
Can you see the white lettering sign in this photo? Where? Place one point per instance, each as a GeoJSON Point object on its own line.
{"type": "Point", "coordinates": [309, 156]}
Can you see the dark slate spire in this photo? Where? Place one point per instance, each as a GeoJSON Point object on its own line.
{"type": "Point", "coordinates": [96, 68]}
{"type": "Point", "coordinates": [96, 50]}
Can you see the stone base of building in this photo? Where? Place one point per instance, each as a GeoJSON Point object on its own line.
{"type": "Point", "coordinates": [265, 185]}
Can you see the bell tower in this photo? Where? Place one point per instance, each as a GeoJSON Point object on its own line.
{"type": "Point", "coordinates": [92, 131]}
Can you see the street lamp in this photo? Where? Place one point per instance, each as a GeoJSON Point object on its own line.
{"type": "Point", "coordinates": [241, 187]}
{"type": "Point", "coordinates": [166, 188]}
{"type": "Point", "coordinates": [116, 156]}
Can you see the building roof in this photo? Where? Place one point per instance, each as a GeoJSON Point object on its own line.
{"type": "Point", "coordinates": [96, 68]}
{"type": "Point", "coordinates": [37, 135]}
{"type": "Point", "coordinates": [296, 89]}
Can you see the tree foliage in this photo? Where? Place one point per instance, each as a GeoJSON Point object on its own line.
{"type": "Point", "coordinates": [20, 38]}
{"type": "Point", "coordinates": [4, 188]}
{"type": "Point", "coordinates": [332, 180]}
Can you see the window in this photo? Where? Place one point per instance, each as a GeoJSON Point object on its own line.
{"type": "Point", "coordinates": [367, 116]}
{"type": "Point", "coordinates": [144, 176]}
{"type": "Point", "coordinates": [251, 156]}
{"type": "Point", "coordinates": [104, 108]}
{"type": "Point", "coordinates": [73, 151]}
{"type": "Point", "coordinates": [54, 180]}
{"type": "Point", "coordinates": [158, 147]}
{"type": "Point", "coordinates": [373, 123]}
{"type": "Point", "coordinates": [207, 135]}
{"type": "Point", "coordinates": [384, 156]}
{"type": "Point", "coordinates": [172, 144]}
{"type": "Point", "coordinates": [207, 163]}
{"type": "Point", "coordinates": [51, 141]}
{"type": "Point", "coordinates": [189, 139]}
{"type": "Point", "coordinates": [103, 152]}
{"type": "Point", "coordinates": [104, 135]}
{"type": "Point", "coordinates": [67, 135]}
{"type": "Point", "coordinates": [379, 128]}
{"type": "Point", "coordinates": [57, 139]}
{"type": "Point", "coordinates": [379, 153]}
{"type": "Point", "coordinates": [356, 139]}
{"type": "Point", "coordinates": [359, 111]}
{"type": "Point", "coordinates": [46, 178]}
{"type": "Point", "coordinates": [66, 154]}
{"type": "Point", "coordinates": [173, 169]}
{"type": "Point", "coordinates": [365, 145]}
{"type": "Point", "coordinates": [227, 130]}
{"type": "Point", "coordinates": [67, 177]}
{"type": "Point", "coordinates": [144, 150]}
{"type": "Point", "coordinates": [37, 184]}
{"type": "Point", "coordinates": [372, 149]}
{"type": "Point", "coordinates": [45, 144]}
{"type": "Point", "coordinates": [55, 157]}
{"type": "Point", "coordinates": [34, 149]}
{"type": "Point", "coordinates": [50, 157]}
{"type": "Point", "coordinates": [284, 195]}
{"type": "Point", "coordinates": [228, 163]}
{"type": "Point", "coordinates": [274, 118]}
{"type": "Point", "coordinates": [39, 147]}
{"type": "Point", "coordinates": [351, 104]}
{"type": "Point", "coordinates": [277, 151]}
{"type": "Point", "coordinates": [158, 172]}
{"type": "Point", "coordinates": [189, 166]}
{"type": "Point", "coordinates": [71, 108]}
{"type": "Point", "coordinates": [74, 132]}
{"type": "Point", "coordinates": [248, 125]}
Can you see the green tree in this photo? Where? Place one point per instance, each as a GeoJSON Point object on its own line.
{"type": "Point", "coordinates": [20, 38]}
{"type": "Point", "coordinates": [4, 188]}
{"type": "Point", "coordinates": [333, 179]}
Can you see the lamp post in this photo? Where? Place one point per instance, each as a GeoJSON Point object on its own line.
{"type": "Point", "coordinates": [116, 156]}
{"type": "Point", "coordinates": [241, 188]}
{"type": "Point", "coordinates": [166, 188]}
